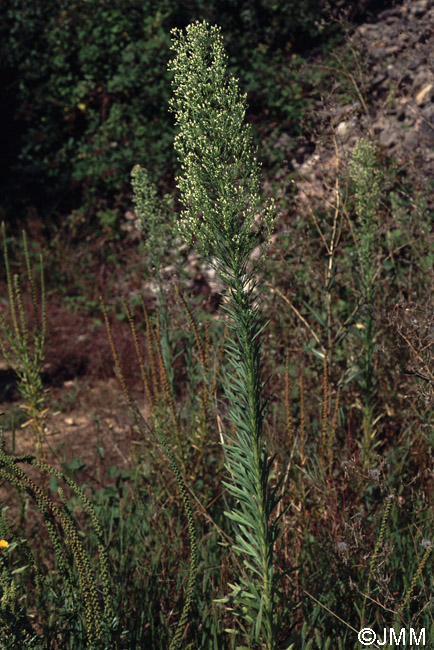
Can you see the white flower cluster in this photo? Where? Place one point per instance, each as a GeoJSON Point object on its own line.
{"type": "Point", "coordinates": [366, 176]}
{"type": "Point", "coordinates": [219, 183]}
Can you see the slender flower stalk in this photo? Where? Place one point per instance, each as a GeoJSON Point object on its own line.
{"type": "Point", "coordinates": [366, 177]}
{"type": "Point", "coordinates": [219, 186]}
{"type": "Point", "coordinates": [155, 219]}
{"type": "Point", "coordinates": [24, 355]}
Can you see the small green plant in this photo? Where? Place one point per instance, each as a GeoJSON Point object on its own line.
{"type": "Point", "coordinates": [156, 222]}
{"type": "Point", "coordinates": [25, 357]}
{"type": "Point", "coordinates": [68, 549]}
{"type": "Point", "coordinates": [366, 178]}
{"type": "Point", "coordinates": [144, 428]}
{"type": "Point", "coordinates": [219, 187]}
{"type": "Point", "coordinates": [375, 554]}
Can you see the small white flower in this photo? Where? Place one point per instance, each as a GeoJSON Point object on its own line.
{"type": "Point", "coordinates": [342, 548]}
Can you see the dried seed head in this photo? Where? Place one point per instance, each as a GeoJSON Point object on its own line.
{"type": "Point", "coordinates": [374, 474]}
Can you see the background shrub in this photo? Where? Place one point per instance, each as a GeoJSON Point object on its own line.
{"type": "Point", "coordinates": [86, 91]}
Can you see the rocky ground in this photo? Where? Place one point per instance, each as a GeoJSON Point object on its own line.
{"type": "Point", "coordinates": [395, 97]}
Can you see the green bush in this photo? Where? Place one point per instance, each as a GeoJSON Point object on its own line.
{"type": "Point", "coordinates": [87, 91]}
{"type": "Point", "coordinates": [89, 97]}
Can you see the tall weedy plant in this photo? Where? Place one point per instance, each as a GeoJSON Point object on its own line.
{"type": "Point", "coordinates": [366, 177]}
{"type": "Point", "coordinates": [156, 221]}
{"type": "Point", "coordinates": [219, 186]}
{"type": "Point", "coordinates": [24, 356]}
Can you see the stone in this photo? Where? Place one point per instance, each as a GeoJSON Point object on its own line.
{"type": "Point", "coordinates": [342, 129]}
{"type": "Point", "coordinates": [392, 49]}
{"type": "Point", "coordinates": [379, 78]}
{"type": "Point", "coordinates": [425, 95]}
{"type": "Point", "coordinates": [388, 137]}
{"type": "Point", "coordinates": [416, 62]}
{"type": "Point", "coordinates": [427, 125]}
{"type": "Point", "coordinates": [417, 11]}
{"type": "Point", "coordinates": [387, 14]}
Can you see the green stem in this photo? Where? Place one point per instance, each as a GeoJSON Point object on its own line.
{"type": "Point", "coordinates": [246, 329]}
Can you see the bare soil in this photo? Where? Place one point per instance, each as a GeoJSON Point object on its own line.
{"type": "Point", "coordinates": [88, 419]}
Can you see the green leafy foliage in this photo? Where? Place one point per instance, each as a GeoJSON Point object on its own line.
{"type": "Point", "coordinates": [220, 183]}
{"type": "Point", "coordinates": [91, 96]}
{"type": "Point", "coordinates": [89, 89]}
